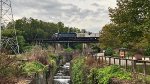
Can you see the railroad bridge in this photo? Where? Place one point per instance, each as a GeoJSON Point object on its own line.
{"type": "Point", "coordinates": [69, 38]}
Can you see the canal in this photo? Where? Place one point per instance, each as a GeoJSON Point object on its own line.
{"type": "Point", "coordinates": [63, 74]}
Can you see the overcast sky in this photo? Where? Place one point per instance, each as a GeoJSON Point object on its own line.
{"type": "Point", "coordinates": [91, 15]}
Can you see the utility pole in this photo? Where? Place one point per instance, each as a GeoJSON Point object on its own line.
{"type": "Point", "coordinates": [0, 24]}
{"type": "Point", "coordinates": [68, 42]}
{"type": "Point", "coordinates": [6, 16]}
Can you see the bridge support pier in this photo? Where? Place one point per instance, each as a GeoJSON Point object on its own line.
{"type": "Point", "coordinates": [68, 45]}
{"type": "Point", "coordinates": [86, 49]}
{"type": "Point", "coordinates": [57, 47]}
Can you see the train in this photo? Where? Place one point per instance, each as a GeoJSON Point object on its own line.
{"type": "Point", "coordinates": [74, 35]}
{"type": "Point", "coordinates": [61, 35]}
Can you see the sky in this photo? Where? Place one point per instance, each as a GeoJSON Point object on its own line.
{"type": "Point", "coordinates": [91, 15]}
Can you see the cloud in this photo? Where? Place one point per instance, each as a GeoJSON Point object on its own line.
{"type": "Point", "coordinates": [87, 14]}
{"type": "Point", "coordinates": [95, 4]}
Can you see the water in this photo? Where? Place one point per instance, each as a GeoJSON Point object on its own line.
{"type": "Point", "coordinates": [63, 75]}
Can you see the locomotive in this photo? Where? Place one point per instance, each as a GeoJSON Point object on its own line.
{"type": "Point", "coordinates": [61, 35]}
{"type": "Point", "coordinates": [64, 36]}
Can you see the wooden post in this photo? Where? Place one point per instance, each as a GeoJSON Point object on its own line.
{"type": "Point", "coordinates": [102, 59]}
{"type": "Point", "coordinates": [114, 61]}
{"type": "Point", "coordinates": [132, 57]}
{"type": "Point", "coordinates": [119, 61]}
{"type": "Point", "coordinates": [133, 65]}
{"type": "Point", "coordinates": [144, 67]}
{"type": "Point", "coordinates": [99, 60]}
{"type": "Point", "coordinates": [105, 58]}
{"type": "Point", "coordinates": [109, 60]}
{"type": "Point", "coordinates": [126, 64]}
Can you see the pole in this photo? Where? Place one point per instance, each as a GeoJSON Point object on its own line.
{"type": "Point", "coordinates": [0, 24]}
{"type": "Point", "coordinates": [17, 45]}
{"type": "Point", "coordinates": [5, 17]}
{"type": "Point", "coordinates": [68, 42]}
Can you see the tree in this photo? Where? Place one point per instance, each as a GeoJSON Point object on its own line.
{"type": "Point", "coordinates": [30, 28]}
{"type": "Point", "coordinates": [132, 20]}
{"type": "Point", "coordinates": [83, 31]}
{"type": "Point", "coordinates": [7, 32]}
{"type": "Point", "coordinates": [21, 42]}
{"type": "Point", "coordinates": [108, 36]}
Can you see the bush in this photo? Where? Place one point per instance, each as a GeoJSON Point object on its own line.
{"type": "Point", "coordinates": [82, 74]}
{"type": "Point", "coordinates": [77, 71]}
{"type": "Point", "coordinates": [38, 60]}
{"type": "Point", "coordinates": [52, 60]}
{"type": "Point", "coordinates": [109, 52]}
{"type": "Point", "coordinates": [103, 75]}
{"type": "Point", "coordinates": [147, 51]}
{"type": "Point", "coordinates": [68, 50]}
{"type": "Point", "coordinates": [116, 54]}
{"type": "Point", "coordinates": [8, 66]}
{"type": "Point", "coordinates": [29, 68]}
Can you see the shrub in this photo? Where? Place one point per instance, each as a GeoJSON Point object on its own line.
{"type": "Point", "coordinates": [77, 71]}
{"type": "Point", "coordinates": [52, 60]}
{"type": "Point", "coordinates": [8, 65]}
{"type": "Point", "coordinates": [38, 60]}
{"type": "Point", "coordinates": [103, 75]}
{"type": "Point", "coordinates": [29, 68]}
{"type": "Point", "coordinates": [109, 52]}
{"type": "Point", "coordinates": [68, 50]}
{"type": "Point", "coordinates": [116, 54]}
{"type": "Point", "coordinates": [147, 51]}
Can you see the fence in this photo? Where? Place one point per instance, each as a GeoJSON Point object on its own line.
{"type": "Point", "coordinates": [135, 66]}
